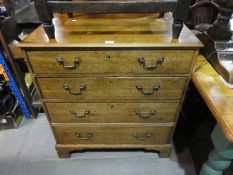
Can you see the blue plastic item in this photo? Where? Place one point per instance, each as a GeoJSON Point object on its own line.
{"type": "Point", "coordinates": [14, 88]}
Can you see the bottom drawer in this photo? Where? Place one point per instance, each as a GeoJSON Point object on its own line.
{"type": "Point", "coordinates": [146, 134]}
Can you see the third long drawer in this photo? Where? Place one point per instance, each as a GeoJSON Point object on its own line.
{"type": "Point", "coordinates": [112, 112]}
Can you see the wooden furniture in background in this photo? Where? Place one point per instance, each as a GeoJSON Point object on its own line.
{"type": "Point", "coordinates": [202, 12]}
{"type": "Point", "coordinates": [112, 81]}
{"type": "Point", "coordinates": [45, 9]}
{"type": "Point", "coordinates": [219, 99]}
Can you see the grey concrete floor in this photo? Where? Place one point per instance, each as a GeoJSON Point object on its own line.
{"type": "Point", "coordinates": [29, 150]}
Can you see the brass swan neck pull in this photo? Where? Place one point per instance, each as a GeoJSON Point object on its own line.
{"type": "Point", "coordinates": [144, 92]}
{"type": "Point", "coordinates": [141, 60]}
{"type": "Point", "coordinates": [88, 136]}
{"type": "Point", "coordinates": [142, 136]}
{"type": "Point", "coordinates": [80, 115]}
{"type": "Point", "coordinates": [145, 115]}
{"type": "Point", "coordinates": [61, 62]}
{"type": "Point", "coordinates": [69, 89]}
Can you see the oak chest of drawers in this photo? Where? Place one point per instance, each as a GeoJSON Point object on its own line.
{"type": "Point", "coordinates": [109, 81]}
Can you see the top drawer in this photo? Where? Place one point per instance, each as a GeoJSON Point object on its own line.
{"type": "Point", "coordinates": [129, 61]}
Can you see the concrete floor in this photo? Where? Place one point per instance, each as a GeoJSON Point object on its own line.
{"type": "Point", "coordinates": [29, 150]}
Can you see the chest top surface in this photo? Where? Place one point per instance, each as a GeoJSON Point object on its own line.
{"type": "Point", "coordinates": [112, 30]}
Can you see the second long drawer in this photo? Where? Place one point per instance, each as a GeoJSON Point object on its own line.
{"type": "Point", "coordinates": [112, 112]}
{"type": "Point", "coordinates": [107, 89]}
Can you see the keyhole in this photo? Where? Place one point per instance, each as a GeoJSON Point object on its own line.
{"type": "Point", "coordinates": [109, 57]}
{"type": "Point", "coordinates": [112, 107]}
{"type": "Point", "coordinates": [110, 83]}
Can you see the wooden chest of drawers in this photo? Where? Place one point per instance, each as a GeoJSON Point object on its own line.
{"type": "Point", "coordinates": [109, 81]}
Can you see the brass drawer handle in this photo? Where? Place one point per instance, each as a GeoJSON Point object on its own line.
{"type": "Point", "coordinates": [61, 62]}
{"type": "Point", "coordinates": [142, 136]}
{"type": "Point", "coordinates": [69, 89]}
{"type": "Point", "coordinates": [145, 115]}
{"type": "Point", "coordinates": [142, 61]}
{"type": "Point", "coordinates": [88, 136]}
{"type": "Point", "coordinates": [79, 115]}
{"type": "Point", "coordinates": [141, 89]}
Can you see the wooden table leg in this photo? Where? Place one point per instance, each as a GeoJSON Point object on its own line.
{"type": "Point", "coordinates": [45, 15]}
{"type": "Point", "coordinates": [219, 158]}
{"type": "Point", "coordinates": [179, 17]}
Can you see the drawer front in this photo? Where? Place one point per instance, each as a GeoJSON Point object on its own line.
{"type": "Point", "coordinates": [130, 61]}
{"type": "Point", "coordinates": [109, 134]}
{"type": "Point", "coordinates": [111, 88]}
{"type": "Point", "coordinates": [112, 112]}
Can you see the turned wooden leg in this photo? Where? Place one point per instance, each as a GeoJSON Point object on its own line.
{"type": "Point", "coordinates": [49, 29]}
{"type": "Point", "coordinates": [179, 16]}
{"type": "Point", "coordinates": [45, 15]}
{"type": "Point", "coordinates": [70, 15]}
{"type": "Point", "coordinates": [215, 165]}
{"type": "Point", "coordinates": [219, 158]}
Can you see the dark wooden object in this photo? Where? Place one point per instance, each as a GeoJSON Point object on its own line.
{"type": "Point", "coordinates": [45, 9]}
{"type": "Point", "coordinates": [202, 12]}
{"type": "Point", "coordinates": [23, 11]}
{"type": "Point", "coordinates": [221, 29]}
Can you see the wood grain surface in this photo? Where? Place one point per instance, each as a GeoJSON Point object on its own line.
{"type": "Point", "coordinates": [113, 30]}
{"type": "Point", "coordinates": [113, 134]}
{"type": "Point", "coordinates": [112, 112]}
{"type": "Point", "coordinates": [173, 61]}
{"type": "Point", "coordinates": [106, 98]}
{"type": "Point", "coordinates": [110, 89]}
{"type": "Point", "coordinates": [217, 96]}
